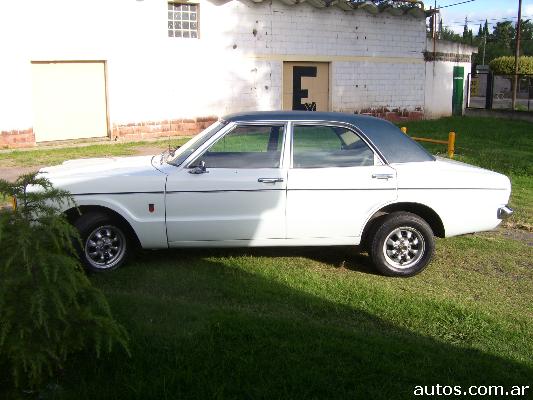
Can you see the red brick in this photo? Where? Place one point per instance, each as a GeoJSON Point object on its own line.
{"type": "Point", "coordinates": [133, 136]}
{"type": "Point", "coordinates": [392, 116]}
{"type": "Point", "coordinates": [165, 126]}
{"type": "Point", "coordinates": [175, 126]}
{"type": "Point", "coordinates": [125, 130]}
{"type": "Point", "coordinates": [416, 115]}
{"type": "Point", "coordinates": [209, 119]}
{"type": "Point", "coordinates": [189, 126]}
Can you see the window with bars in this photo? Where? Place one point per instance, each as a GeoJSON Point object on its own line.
{"type": "Point", "coordinates": [183, 20]}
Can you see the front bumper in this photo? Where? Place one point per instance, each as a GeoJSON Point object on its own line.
{"type": "Point", "coordinates": [505, 212]}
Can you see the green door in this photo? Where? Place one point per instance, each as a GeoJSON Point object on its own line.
{"type": "Point", "coordinates": [458, 84]}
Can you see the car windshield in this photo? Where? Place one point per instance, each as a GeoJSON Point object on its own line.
{"type": "Point", "coordinates": [182, 153]}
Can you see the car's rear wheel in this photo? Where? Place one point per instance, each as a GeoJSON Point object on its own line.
{"type": "Point", "coordinates": [402, 245]}
{"type": "Point", "coordinates": [105, 244]}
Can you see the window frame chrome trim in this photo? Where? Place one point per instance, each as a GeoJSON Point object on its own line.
{"type": "Point", "coordinates": [229, 128]}
{"type": "Point", "coordinates": [337, 124]}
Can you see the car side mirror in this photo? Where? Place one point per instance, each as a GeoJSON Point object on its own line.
{"type": "Point", "coordinates": [199, 169]}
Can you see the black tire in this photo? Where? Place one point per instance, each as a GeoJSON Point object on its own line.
{"type": "Point", "coordinates": [402, 245]}
{"type": "Point", "coordinates": [105, 242]}
{"type": "Point", "coordinates": [370, 232]}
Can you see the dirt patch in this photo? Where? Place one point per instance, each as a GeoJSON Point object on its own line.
{"type": "Point", "coordinates": [12, 173]}
{"type": "Point", "coordinates": [150, 150]}
{"type": "Point", "coordinates": [520, 235]}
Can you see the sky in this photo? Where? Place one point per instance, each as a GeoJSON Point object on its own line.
{"type": "Point", "coordinates": [493, 10]}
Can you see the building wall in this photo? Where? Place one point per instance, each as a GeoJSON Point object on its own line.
{"type": "Point", "coordinates": [236, 65]}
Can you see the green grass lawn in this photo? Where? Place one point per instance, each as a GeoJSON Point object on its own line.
{"type": "Point", "coordinates": [44, 156]}
{"type": "Point", "coordinates": [313, 323]}
{"type": "Point", "coordinates": [317, 323]}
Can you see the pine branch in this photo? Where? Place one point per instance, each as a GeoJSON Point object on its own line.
{"type": "Point", "coordinates": [48, 308]}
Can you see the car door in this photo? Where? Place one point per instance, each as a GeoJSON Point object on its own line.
{"type": "Point", "coordinates": [233, 190]}
{"type": "Point", "coordinates": [335, 182]}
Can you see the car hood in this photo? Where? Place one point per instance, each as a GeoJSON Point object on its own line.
{"type": "Point", "coordinates": [111, 165]}
{"type": "Point", "coordinates": [448, 174]}
{"type": "Point", "coordinates": [106, 175]}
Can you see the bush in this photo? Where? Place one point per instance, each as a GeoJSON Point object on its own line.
{"type": "Point", "coordinates": [505, 65]}
{"type": "Point", "coordinates": [48, 307]}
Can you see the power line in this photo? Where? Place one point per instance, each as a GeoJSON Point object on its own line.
{"type": "Point", "coordinates": [489, 19]}
{"type": "Point", "coordinates": [456, 4]}
{"type": "Point", "coordinates": [503, 19]}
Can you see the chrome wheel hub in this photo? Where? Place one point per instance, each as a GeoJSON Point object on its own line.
{"type": "Point", "coordinates": [105, 246]}
{"type": "Point", "coordinates": [404, 247]}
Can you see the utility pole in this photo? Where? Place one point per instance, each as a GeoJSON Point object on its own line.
{"type": "Point", "coordinates": [434, 22]}
{"type": "Point", "coordinates": [484, 44]}
{"type": "Point", "coordinates": [517, 53]}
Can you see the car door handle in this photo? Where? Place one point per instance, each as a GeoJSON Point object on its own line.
{"type": "Point", "coordinates": [382, 176]}
{"type": "Point", "coordinates": [270, 180]}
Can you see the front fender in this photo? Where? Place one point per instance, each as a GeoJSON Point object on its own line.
{"type": "Point", "coordinates": [147, 222]}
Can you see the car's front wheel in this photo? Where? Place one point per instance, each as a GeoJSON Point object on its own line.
{"type": "Point", "coordinates": [402, 245]}
{"type": "Point", "coordinates": [105, 244]}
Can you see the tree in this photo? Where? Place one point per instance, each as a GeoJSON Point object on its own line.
{"type": "Point", "coordinates": [48, 307]}
{"type": "Point", "coordinates": [448, 34]}
{"type": "Point", "coordinates": [467, 34]}
{"type": "Point", "coordinates": [504, 34]}
{"type": "Point", "coordinates": [500, 42]}
{"type": "Point", "coordinates": [505, 65]}
{"type": "Point", "coordinates": [526, 41]}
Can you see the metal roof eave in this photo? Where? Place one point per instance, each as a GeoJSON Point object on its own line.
{"type": "Point", "coordinates": [413, 8]}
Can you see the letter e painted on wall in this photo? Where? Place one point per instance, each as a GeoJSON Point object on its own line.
{"type": "Point", "coordinates": [306, 86]}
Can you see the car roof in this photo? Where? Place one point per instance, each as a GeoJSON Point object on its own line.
{"type": "Point", "coordinates": [388, 139]}
{"type": "Point", "coordinates": [296, 116]}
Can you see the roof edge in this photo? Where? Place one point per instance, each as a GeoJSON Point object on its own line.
{"type": "Point", "coordinates": [412, 8]}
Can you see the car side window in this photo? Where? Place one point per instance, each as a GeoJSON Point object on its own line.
{"type": "Point", "coordinates": [323, 146]}
{"type": "Point", "coordinates": [246, 146]}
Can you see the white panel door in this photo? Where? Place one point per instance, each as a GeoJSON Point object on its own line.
{"type": "Point", "coordinates": [335, 183]}
{"type": "Point", "coordinates": [241, 195]}
{"type": "Point", "coordinates": [69, 100]}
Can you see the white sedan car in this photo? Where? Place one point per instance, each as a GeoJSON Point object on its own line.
{"type": "Point", "coordinates": [283, 179]}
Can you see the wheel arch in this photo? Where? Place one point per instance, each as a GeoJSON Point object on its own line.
{"type": "Point", "coordinates": [72, 214]}
{"type": "Point", "coordinates": [426, 213]}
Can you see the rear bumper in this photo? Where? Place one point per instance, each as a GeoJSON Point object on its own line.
{"type": "Point", "coordinates": [504, 212]}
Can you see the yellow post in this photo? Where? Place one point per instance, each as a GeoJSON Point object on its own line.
{"type": "Point", "coordinates": [451, 144]}
{"type": "Point", "coordinates": [404, 129]}
{"type": "Point", "coordinates": [14, 203]}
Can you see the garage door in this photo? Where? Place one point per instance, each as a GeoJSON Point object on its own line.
{"type": "Point", "coordinates": [69, 100]}
{"type": "Point", "coordinates": [306, 86]}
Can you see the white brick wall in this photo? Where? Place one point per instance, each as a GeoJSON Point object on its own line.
{"type": "Point", "coordinates": [376, 61]}
{"type": "Point", "coordinates": [365, 85]}
{"type": "Point", "coordinates": [305, 30]}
